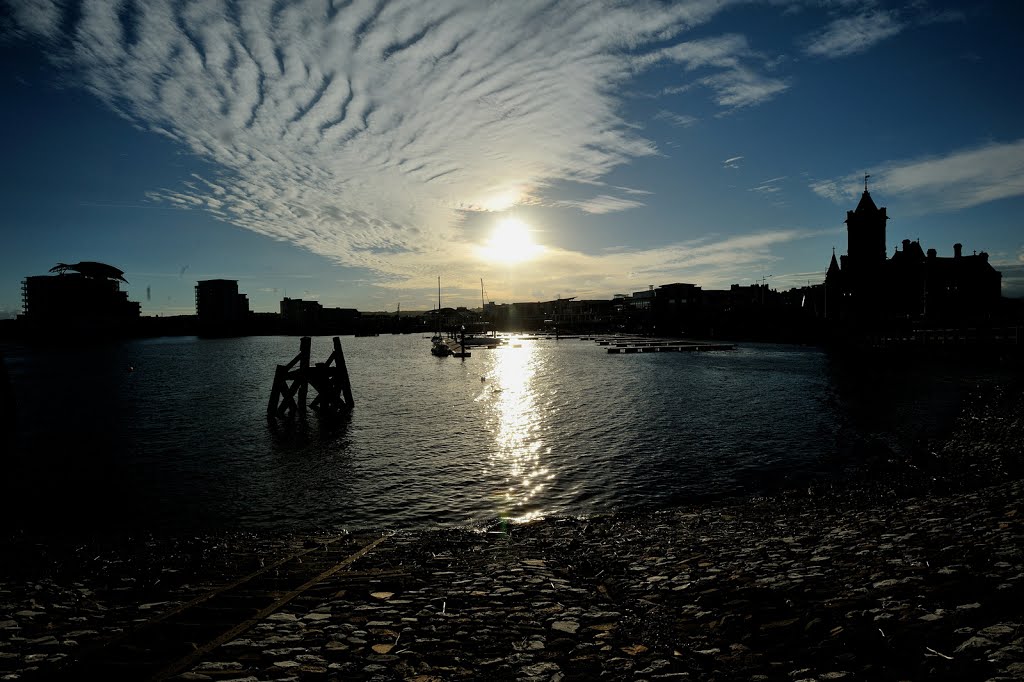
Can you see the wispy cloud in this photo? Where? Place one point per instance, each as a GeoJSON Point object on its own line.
{"type": "Point", "coordinates": [790, 280]}
{"type": "Point", "coordinates": [681, 120]}
{"type": "Point", "coordinates": [945, 16]}
{"type": "Point", "coordinates": [40, 17]}
{"type": "Point", "coordinates": [1012, 270]}
{"type": "Point", "coordinates": [960, 179]}
{"type": "Point", "coordinates": [712, 261]}
{"type": "Point", "coordinates": [735, 83]}
{"type": "Point", "coordinates": [732, 162]}
{"type": "Point", "coordinates": [633, 190]}
{"type": "Point", "coordinates": [363, 131]}
{"type": "Point", "coordinates": [604, 203]}
{"type": "Point", "coordinates": [743, 87]}
{"type": "Point", "coordinates": [850, 35]}
{"type": "Point", "coordinates": [770, 186]}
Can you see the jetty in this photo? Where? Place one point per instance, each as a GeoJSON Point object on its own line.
{"type": "Point", "coordinates": [669, 348]}
{"type": "Point", "coordinates": [618, 345]}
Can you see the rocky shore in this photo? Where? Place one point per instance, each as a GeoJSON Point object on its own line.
{"type": "Point", "coordinates": [914, 574]}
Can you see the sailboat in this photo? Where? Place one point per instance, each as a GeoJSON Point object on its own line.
{"type": "Point", "coordinates": [438, 346]}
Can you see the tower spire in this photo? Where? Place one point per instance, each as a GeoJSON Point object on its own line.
{"type": "Point", "coordinates": [866, 176]}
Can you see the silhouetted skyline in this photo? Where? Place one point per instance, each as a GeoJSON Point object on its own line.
{"type": "Point", "coordinates": [577, 151]}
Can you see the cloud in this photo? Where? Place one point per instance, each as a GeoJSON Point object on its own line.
{"type": "Point", "coordinates": [960, 179]}
{"type": "Point", "coordinates": [947, 16]}
{"type": "Point", "coordinates": [733, 162]}
{"type": "Point", "coordinates": [721, 51]}
{"type": "Point", "coordinates": [850, 35]}
{"type": "Point", "coordinates": [631, 190]}
{"type": "Point", "coordinates": [770, 186]}
{"type": "Point", "coordinates": [38, 17]}
{"type": "Point", "coordinates": [742, 87]}
{"type": "Point", "coordinates": [1013, 276]}
{"type": "Point", "coordinates": [793, 280]}
{"type": "Point", "coordinates": [680, 120]}
{"type": "Point", "coordinates": [600, 204]}
{"type": "Point", "coordinates": [364, 131]}
{"type": "Point", "coordinates": [735, 83]}
{"type": "Point", "coordinates": [711, 261]}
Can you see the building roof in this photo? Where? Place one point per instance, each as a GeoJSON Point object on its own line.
{"type": "Point", "coordinates": [833, 267]}
{"type": "Point", "coordinates": [866, 204]}
{"type": "Point", "coordinates": [92, 269]}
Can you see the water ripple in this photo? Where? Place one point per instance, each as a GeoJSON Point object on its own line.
{"type": "Point", "coordinates": [516, 433]}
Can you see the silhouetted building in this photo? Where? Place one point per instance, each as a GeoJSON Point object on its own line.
{"type": "Point", "coordinates": [299, 314]}
{"type": "Point", "coordinates": [86, 299]}
{"type": "Point", "coordinates": [864, 289]}
{"type": "Point", "coordinates": [740, 311]}
{"type": "Point", "coordinates": [310, 317]}
{"type": "Point", "coordinates": [220, 308]}
{"type": "Point", "coordinates": [583, 315]}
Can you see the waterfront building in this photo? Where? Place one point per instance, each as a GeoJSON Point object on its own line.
{"type": "Point", "coordinates": [85, 297]}
{"type": "Point", "coordinates": [299, 314]}
{"type": "Point", "coordinates": [220, 308]}
{"type": "Point", "coordinates": [584, 315]}
{"type": "Point", "coordinates": [310, 317]}
{"type": "Point", "coordinates": [865, 289]}
{"type": "Point", "coordinates": [740, 311]}
{"type": "Point", "coordinates": [563, 314]}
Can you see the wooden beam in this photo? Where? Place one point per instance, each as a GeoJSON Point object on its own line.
{"type": "Point", "coordinates": [304, 343]}
{"type": "Point", "coordinates": [294, 360]}
{"type": "Point", "coordinates": [275, 391]}
{"type": "Point", "coordinates": [346, 386]}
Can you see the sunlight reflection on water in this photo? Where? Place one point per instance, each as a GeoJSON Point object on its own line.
{"type": "Point", "coordinates": [555, 428]}
{"type": "Point", "coordinates": [516, 421]}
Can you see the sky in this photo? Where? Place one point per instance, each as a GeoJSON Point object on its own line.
{"type": "Point", "coordinates": [353, 152]}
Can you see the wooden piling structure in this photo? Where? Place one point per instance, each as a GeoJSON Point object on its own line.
{"type": "Point", "coordinates": [331, 382]}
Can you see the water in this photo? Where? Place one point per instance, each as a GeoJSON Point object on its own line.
{"type": "Point", "coordinates": [549, 428]}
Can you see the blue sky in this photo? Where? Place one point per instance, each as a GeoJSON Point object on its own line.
{"type": "Point", "coordinates": [352, 154]}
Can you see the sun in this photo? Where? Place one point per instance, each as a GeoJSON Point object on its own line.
{"type": "Point", "coordinates": [511, 242]}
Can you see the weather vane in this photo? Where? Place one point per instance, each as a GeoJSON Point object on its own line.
{"type": "Point", "coordinates": [866, 176]}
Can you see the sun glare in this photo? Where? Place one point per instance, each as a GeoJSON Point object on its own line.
{"type": "Point", "coordinates": [511, 243]}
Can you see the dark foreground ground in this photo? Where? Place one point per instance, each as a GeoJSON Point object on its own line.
{"type": "Point", "coordinates": [914, 573]}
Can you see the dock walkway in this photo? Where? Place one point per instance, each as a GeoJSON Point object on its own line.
{"type": "Point", "coordinates": [646, 344]}
{"type": "Point", "coordinates": [671, 348]}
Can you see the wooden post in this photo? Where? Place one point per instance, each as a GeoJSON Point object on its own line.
{"type": "Point", "coordinates": [304, 343]}
{"type": "Point", "coordinates": [346, 386]}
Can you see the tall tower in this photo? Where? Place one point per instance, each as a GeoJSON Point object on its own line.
{"type": "Point", "coordinates": [865, 233]}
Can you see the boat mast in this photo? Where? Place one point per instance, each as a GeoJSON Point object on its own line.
{"type": "Point", "coordinates": [483, 309]}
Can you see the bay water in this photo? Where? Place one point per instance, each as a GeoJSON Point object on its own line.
{"type": "Point", "coordinates": [172, 434]}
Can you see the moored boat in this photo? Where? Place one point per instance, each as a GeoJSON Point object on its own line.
{"type": "Point", "coordinates": [438, 346]}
